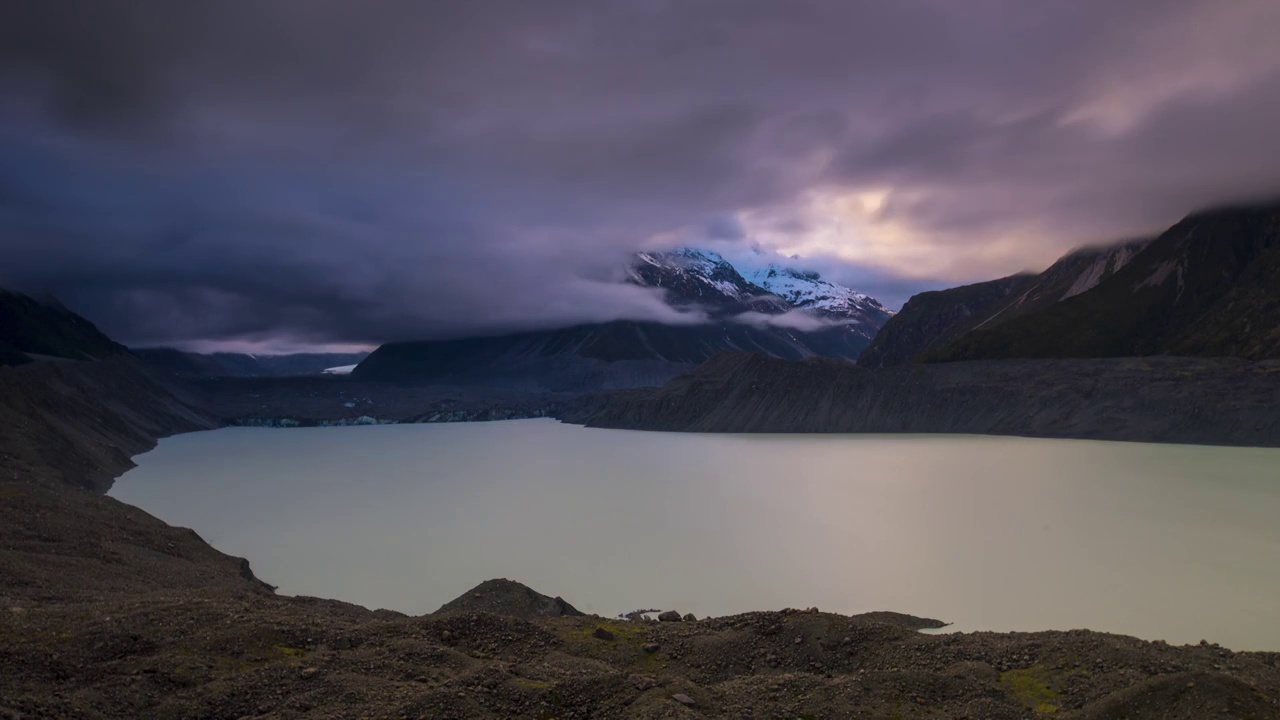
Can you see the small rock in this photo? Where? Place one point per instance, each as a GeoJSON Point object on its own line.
{"type": "Point", "coordinates": [643, 682]}
{"type": "Point", "coordinates": [309, 672]}
{"type": "Point", "coordinates": [669, 616]}
{"type": "Point", "coordinates": [650, 648]}
{"type": "Point", "coordinates": [683, 699]}
{"type": "Point", "coordinates": [446, 636]}
{"type": "Point", "coordinates": [602, 634]}
{"type": "Point", "coordinates": [690, 617]}
{"type": "Point", "coordinates": [797, 641]}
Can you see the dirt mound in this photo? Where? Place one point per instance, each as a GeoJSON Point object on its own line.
{"type": "Point", "coordinates": [510, 598]}
{"type": "Point", "coordinates": [1190, 696]}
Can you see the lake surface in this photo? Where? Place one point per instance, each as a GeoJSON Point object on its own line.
{"type": "Point", "coordinates": [1164, 542]}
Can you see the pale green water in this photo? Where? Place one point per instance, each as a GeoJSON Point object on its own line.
{"type": "Point", "coordinates": [1160, 541]}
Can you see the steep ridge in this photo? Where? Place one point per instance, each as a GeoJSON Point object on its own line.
{"type": "Point", "coordinates": [930, 321]}
{"type": "Point", "coordinates": [1180, 400]}
{"type": "Point", "coordinates": [1205, 287]}
{"type": "Point", "coordinates": [44, 327]}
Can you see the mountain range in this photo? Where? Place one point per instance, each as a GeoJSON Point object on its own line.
{"type": "Point", "coordinates": [932, 320]}
{"type": "Point", "coordinates": [1205, 287]}
{"type": "Point", "coordinates": [777, 311]}
{"type": "Point", "coordinates": [1063, 353]}
{"type": "Point", "coordinates": [1171, 339]}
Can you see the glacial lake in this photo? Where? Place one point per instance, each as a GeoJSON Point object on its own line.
{"type": "Point", "coordinates": [1171, 542]}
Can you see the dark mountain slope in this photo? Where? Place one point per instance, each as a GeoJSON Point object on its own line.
{"type": "Point", "coordinates": [10, 355]}
{"type": "Point", "coordinates": [198, 365]}
{"type": "Point", "coordinates": [933, 319]}
{"type": "Point", "coordinates": [31, 326]}
{"type": "Point", "coordinates": [929, 321]}
{"type": "Point", "coordinates": [616, 354]}
{"type": "Point", "coordinates": [1205, 287]}
{"type": "Point", "coordinates": [1183, 400]}
{"type": "Point", "coordinates": [179, 363]}
{"type": "Point", "coordinates": [81, 421]}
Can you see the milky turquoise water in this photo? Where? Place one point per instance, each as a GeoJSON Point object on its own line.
{"type": "Point", "coordinates": [1180, 543]}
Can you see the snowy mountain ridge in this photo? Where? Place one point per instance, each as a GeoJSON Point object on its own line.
{"type": "Point", "coordinates": [697, 266]}
{"type": "Point", "coordinates": [704, 277]}
{"type": "Point", "coordinates": [808, 290]}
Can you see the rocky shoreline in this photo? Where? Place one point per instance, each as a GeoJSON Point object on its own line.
{"type": "Point", "coordinates": [107, 612]}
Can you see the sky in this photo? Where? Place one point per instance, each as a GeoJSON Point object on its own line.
{"type": "Point", "coordinates": [290, 174]}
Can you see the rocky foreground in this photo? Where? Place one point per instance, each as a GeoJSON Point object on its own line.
{"type": "Point", "coordinates": [107, 612]}
{"type": "Point", "coordinates": [233, 652]}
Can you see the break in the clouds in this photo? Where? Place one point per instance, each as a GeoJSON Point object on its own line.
{"type": "Point", "coordinates": [323, 171]}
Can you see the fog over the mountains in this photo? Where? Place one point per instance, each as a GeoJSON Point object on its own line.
{"type": "Point", "coordinates": [287, 172]}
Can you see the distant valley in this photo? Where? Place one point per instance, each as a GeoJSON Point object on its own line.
{"type": "Point", "coordinates": [225, 364]}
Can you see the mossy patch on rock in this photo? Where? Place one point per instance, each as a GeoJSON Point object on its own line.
{"type": "Point", "coordinates": [1031, 687]}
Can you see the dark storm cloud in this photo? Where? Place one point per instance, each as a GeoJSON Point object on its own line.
{"type": "Point", "coordinates": [315, 171]}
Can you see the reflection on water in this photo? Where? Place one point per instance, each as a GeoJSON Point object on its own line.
{"type": "Point", "coordinates": [1163, 542]}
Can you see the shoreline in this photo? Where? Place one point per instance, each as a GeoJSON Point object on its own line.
{"type": "Point", "coordinates": [298, 544]}
{"type": "Point", "coordinates": [108, 612]}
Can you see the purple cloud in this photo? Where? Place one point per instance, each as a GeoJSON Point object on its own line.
{"type": "Point", "coordinates": [320, 171]}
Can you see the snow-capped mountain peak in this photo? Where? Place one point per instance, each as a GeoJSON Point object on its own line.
{"type": "Point", "coordinates": [807, 289]}
{"type": "Point", "coordinates": [702, 271]}
{"type": "Point", "coordinates": [692, 276]}
{"type": "Point", "coordinates": [700, 277]}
